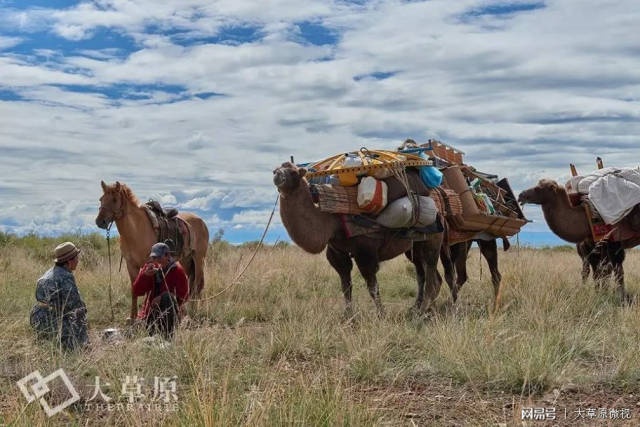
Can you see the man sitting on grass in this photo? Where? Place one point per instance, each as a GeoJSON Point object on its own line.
{"type": "Point", "coordinates": [60, 312]}
{"type": "Point", "coordinates": [166, 286]}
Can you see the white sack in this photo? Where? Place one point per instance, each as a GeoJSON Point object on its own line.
{"type": "Point", "coordinates": [398, 214]}
{"type": "Point", "coordinates": [612, 191]}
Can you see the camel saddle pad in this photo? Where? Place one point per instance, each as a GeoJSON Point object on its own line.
{"type": "Point", "coordinates": [360, 225]}
{"type": "Point", "coordinates": [626, 229]}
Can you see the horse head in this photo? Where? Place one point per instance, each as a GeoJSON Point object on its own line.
{"type": "Point", "coordinates": [111, 204]}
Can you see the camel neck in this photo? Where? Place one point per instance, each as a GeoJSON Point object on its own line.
{"type": "Point", "coordinates": [566, 221]}
{"type": "Point", "coordinates": [307, 225]}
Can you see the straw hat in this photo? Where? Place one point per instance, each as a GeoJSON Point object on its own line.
{"type": "Point", "coordinates": [65, 251]}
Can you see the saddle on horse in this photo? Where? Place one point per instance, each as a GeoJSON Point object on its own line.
{"type": "Point", "coordinates": [169, 228]}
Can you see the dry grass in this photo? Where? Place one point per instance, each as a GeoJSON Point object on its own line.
{"type": "Point", "coordinates": [274, 349]}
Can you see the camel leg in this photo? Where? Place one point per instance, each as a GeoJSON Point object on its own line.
{"type": "Point", "coordinates": [368, 265]}
{"type": "Point", "coordinates": [341, 262]}
{"type": "Point", "coordinates": [459, 253]}
{"type": "Point", "coordinates": [618, 273]}
{"type": "Point", "coordinates": [583, 250]}
{"type": "Point", "coordinates": [616, 255]}
{"type": "Point", "coordinates": [489, 250]}
{"type": "Point", "coordinates": [414, 256]}
{"type": "Point", "coordinates": [600, 264]}
{"type": "Point", "coordinates": [431, 253]}
{"type": "Point", "coordinates": [447, 259]}
{"type": "Point", "coordinates": [586, 270]}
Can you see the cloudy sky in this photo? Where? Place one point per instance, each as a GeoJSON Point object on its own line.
{"type": "Point", "coordinates": [195, 102]}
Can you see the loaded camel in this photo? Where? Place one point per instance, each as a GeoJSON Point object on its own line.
{"type": "Point", "coordinates": [314, 230]}
{"type": "Point", "coordinates": [454, 260]}
{"type": "Point", "coordinates": [118, 204]}
{"type": "Point", "coordinates": [570, 223]}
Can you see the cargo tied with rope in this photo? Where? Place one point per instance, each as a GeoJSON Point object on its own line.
{"type": "Point", "coordinates": [488, 204]}
{"type": "Point", "coordinates": [361, 183]}
{"type": "Point", "coordinates": [381, 185]}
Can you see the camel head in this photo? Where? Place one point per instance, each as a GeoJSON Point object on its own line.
{"type": "Point", "coordinates": [111, 204]}
{"type": "Point", "coordinates": [288, 177]}
{"type": "Point", "coordinates": [544, 192]}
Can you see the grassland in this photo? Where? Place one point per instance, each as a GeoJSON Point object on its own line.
{"type": "Point", "coordinates": [273, 349]}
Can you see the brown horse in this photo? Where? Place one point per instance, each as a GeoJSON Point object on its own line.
{"type": "Point", "coordinates": [118, 204]}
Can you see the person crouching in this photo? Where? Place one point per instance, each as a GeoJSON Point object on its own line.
{"type": "Point", "coordinates": [166, 287]}
{"type": "Point", "coordinates": [60, 313]}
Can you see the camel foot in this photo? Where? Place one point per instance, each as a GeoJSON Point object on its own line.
{"type": "Point", "coordinates": [417, 314]}
{"type": "Point", "coordinates": [349, 316]}
{"type": "Point", "coordinates": [381, 311]}
{"type": "Point", "coordinates": [627, 299]}
{"type": "Point", "coordinates": [414, 311]}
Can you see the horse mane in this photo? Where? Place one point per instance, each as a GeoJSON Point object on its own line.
{"type": "Point", "coordinates": [128, 193]}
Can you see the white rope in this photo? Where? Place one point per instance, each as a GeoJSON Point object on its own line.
{"type": "Point", "coordinates": [236, 280]}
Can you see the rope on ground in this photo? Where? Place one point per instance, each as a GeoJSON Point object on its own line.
{"type": "Point", "coordinates": [236, 279]}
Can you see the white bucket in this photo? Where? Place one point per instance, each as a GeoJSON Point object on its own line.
{"type": "Point", "coordinates": [372, 194]}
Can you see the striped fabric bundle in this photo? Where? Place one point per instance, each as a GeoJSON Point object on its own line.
{"type": "Point", "coordinates": [336, 198]}
{"type": "Point", "coordinates": [447, 201]}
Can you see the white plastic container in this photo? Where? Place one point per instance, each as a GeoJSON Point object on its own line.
{"type": "Point", "coordinates": [398, 214]}
{"type": "Point", "coordinates": [351, 160]}
{"type": "Point", "coordinates": [372, 194]}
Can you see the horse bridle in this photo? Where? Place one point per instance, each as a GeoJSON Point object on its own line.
{"type": "Point", "coordinates": [116, 214]}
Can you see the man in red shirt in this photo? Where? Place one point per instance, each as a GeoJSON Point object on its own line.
{"type": "Point", "coordinates": [166, 286]}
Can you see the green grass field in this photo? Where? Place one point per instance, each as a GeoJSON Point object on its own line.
{"type": "Point", "coordinates": [274, 348]}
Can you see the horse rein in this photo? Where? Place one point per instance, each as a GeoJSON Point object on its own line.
{"type": "Point", "coordinates": [108, 229]}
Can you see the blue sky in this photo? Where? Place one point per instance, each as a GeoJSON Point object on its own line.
{"type": "Point", "coordinates": [195, 102]}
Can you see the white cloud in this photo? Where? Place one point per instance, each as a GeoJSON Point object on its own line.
{"type": "Point", "coordinates": [255, 218]}
{"type": "Point", "coordinates": [523, 95]}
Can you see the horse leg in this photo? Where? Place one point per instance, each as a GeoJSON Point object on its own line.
{"type": "Point", "coordinates": [447, 257]}
{"type": "Point", "coordinates": [341, 262]}
{"type": "Point", "coordinates": [189, 266]}
{"type": "Point", "coordinates": [133, 273]}
{"type": "Point", "coordinates": [368, 265]}
{"type": "Point", "coordinates": [196, 275]}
